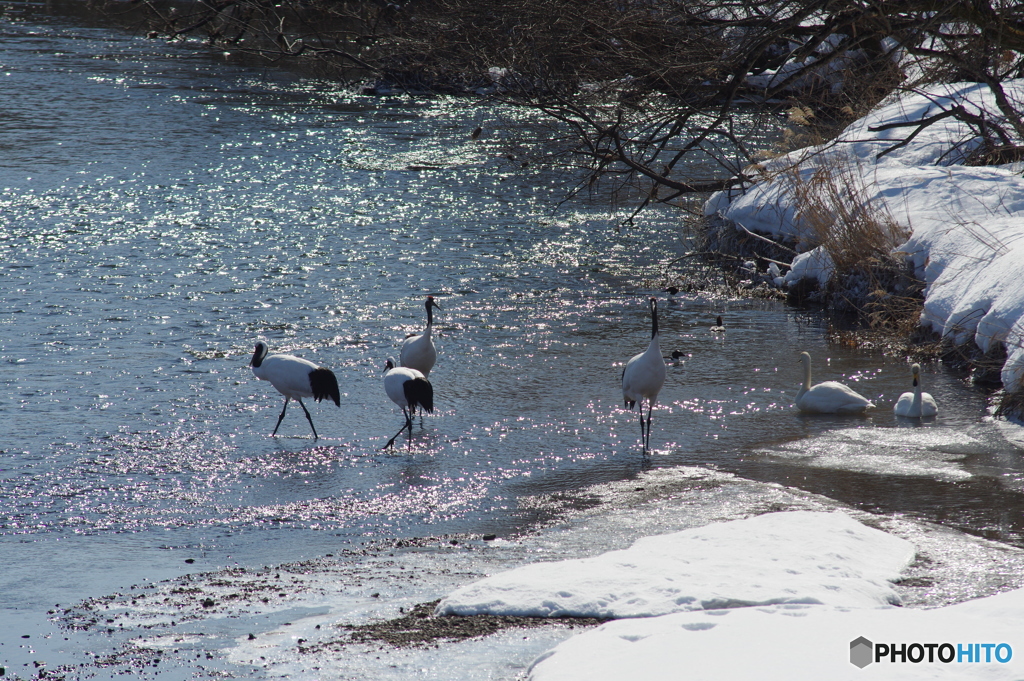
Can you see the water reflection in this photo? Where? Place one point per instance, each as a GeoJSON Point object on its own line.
{"type": "Point", "coordinates": [161, 212]}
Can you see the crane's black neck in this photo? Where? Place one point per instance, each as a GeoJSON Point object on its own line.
{"type": "Point", "coordinates": [257, 357]}
{"type": "Point", "coordinates": [654, 317]}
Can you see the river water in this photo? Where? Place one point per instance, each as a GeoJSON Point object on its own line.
{"type": "Point", "coordinates": [162, 208]}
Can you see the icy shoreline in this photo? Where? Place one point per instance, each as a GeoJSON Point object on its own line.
{"type": "Point", "coordinates": [966, 223]}
{"type": "Point", "coordinates": [297, 620]}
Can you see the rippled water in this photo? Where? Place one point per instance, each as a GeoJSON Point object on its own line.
{"type": "Point", "coordinates": [161, 210]}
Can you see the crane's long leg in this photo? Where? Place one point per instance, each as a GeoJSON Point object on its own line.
{"type": "Point", "coordinates": [650, 409]}
{"type": "Point", "coordinates": [391, 442]}
{"type": "Point", "coordinates": [407, 424]}
{"type": "Point", "coordinates": [308, 418]}
{"type": "Point", "coordinates": [281, 417]}
{"type": "Point", "coordinates": [643, 438]}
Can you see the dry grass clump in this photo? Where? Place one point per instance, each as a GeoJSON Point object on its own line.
{"type": "Point", "coordinates": [1011, 406]}
{"type": "Point", "coordinates": [984, 368]}
{"type": "Point", "coordinates": [871, 282]}
{"type": "Point", "coordinates": [837, 210]}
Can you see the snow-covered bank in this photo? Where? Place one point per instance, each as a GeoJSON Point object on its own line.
{"type": "Point", "coordinates": [799, 642]}
{"type": "Point", "coordinates": [823, 574]}
{"type": "Point", "coordinates": [796, 557]}
{"type": "Point", "coordinates": [295, 620]}
{"type": "Point", "coordinates": [966, 223]}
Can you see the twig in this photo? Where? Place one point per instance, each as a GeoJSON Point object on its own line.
{"type": "Point", "coordinates": [766, 239]}
{"type": "Point", "coordinates": [720, 254]}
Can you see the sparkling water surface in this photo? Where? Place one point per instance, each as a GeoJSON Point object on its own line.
{"type": "Point", "coordinates": [162, 208]}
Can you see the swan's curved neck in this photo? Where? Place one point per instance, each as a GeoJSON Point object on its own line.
{"type": "Point", "coordinates": [807, 375]}
{"type": "Point", "coordinates": [915, 406]}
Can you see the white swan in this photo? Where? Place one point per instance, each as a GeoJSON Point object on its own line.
{"type": "Point", "coordinates": [829, 397]}
{"type": "Point", "coordinates": [916, 404]}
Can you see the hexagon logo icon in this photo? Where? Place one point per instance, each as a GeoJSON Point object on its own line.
{"type": "Point", "coordinates": [861, 652]}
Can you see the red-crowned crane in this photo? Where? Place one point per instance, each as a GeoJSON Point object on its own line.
{"type": "Point", "coordinates": [418, 351]}
{"type": "Point", "coordinates": [644, 376]}
{"type": "Point", "coordinates": [294, 378]}
{"type": "Point", "coordinates": [408, 388]}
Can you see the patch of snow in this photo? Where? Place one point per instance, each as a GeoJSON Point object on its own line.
{"type": "Point", "coordinates": [792, 642]}
{"type": "Point", "coordinates": [814, 264]}
{"type": "Point", "coordinates": [801, 557]}
{"type": "Point", "coordinates": [889, 451]}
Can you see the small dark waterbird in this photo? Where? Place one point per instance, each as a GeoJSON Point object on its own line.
{"type": "Point", "coordinates": [294, 378]}
{"type": "Point", "coordinates": [418, 351]}
{"type": "Point", "coordinates": [644, 377]}
{"type": "Point", "coordinates": [719, 327]}
{"type": "Point", "coordinates": [408, 388]}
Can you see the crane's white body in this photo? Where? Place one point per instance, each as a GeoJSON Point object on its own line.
{"type": "Point", "coordinates": [394, 384]}
{"type": "Point", "coordinates": [916, 404]}
{"type": "Point", "coordinates": [644, 376]}
{"type": "Point", "coordinates": [408, 388]}
{"type": "Point", "coordinates": [294, 378]}
{"type": "Point", "coordinates": [829, 397]}
{"type": "Point", "coordinates": [418, 352]}
{"type": "Point", "coordinates": [287, 373]}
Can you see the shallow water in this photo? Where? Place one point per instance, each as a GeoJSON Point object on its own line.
{"type": "Point", "coordinates": [161, 210]}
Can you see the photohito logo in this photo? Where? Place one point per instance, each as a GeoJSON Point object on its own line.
{"type": "Point", "coordinates": [863, 652]}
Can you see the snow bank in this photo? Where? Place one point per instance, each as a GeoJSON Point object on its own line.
{"type": "Point", "coordinates": [966, 223]}
{"type": "Point", "coordinates": [794, 557]}
{"type": "Point", "coordinates": [814, 264]}
{"type": "Point", "coordinates": [793, 642]}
